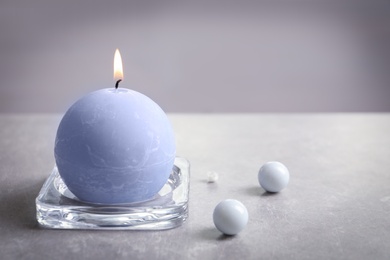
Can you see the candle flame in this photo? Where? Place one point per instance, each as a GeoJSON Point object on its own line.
{"type": "Point", "coordinates": [118, 68]}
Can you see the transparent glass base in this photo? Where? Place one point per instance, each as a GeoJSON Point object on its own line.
{"type": "Point", "coordinates": [58, 208]}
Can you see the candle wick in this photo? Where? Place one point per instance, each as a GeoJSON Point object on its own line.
{"type": "Point", "coordinates": [117, 83]}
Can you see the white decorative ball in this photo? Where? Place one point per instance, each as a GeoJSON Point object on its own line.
{"type": "Point", "coordinates": [273, 176]}
{"type": "Point", "coordinates": [230, 216]}
{"type": "Point", "coordinates": [212, 177]}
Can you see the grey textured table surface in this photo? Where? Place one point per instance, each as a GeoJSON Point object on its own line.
{"type": "Point", "coordinates": [337, 205]}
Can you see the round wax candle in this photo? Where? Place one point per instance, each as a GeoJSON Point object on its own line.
{"type": "Point", "coordinates": [114, 146]}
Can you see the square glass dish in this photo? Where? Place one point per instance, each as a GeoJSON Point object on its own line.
{"type": "Point", "coordinates": [58, 208]}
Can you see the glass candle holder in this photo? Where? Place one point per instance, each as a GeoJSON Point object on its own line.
{"type": "Point", "coordinates": [58, 208]}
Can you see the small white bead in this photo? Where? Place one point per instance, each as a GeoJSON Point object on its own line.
{"type": "Point", "coordinates": [273, 176]}
{"type": "Point", "coordinates": [212, 176]}
{"type": "Point", "coordinates": [230, 217]}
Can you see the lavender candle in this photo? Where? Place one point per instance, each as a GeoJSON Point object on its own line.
{"type": "Point", "coordinates": [114, 146]}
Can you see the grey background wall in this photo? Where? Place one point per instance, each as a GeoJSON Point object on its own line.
{"type": "Point", "coordinates": [259, 56]}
